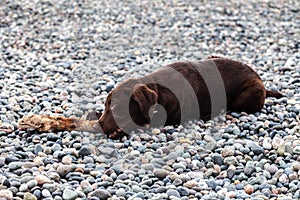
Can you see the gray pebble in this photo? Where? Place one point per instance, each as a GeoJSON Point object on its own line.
{"type": "Point", "coordinates": [69, 194]}
{"type": "Point", "coordinates": [160, 173]}
{"type": "Point", "coordinates": [231, 160]}
{"type": "Point", "coordinates": [100, 193]}
{"type": "Point", "coordinates": [172, 192]}
{"type": "Point", "coordinates": [46, 193]}
{"type": "Point", "coordinates": [62, 170]}
{"type": "Point", "coordinates": [14, 165]}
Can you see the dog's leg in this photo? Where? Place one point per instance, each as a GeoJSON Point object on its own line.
{"type": "Point", "coordinates": [251, 98]}
{"type": "Point", "coordinates": [43, 123]}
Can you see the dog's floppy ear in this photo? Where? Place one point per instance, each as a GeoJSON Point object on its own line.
{"type": "Point", "coordinates": [146, 98]}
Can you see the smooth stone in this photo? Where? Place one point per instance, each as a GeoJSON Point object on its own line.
{"type": "Point", "coordinates": [67, 160]}
{"type": "Point", "coordinates": [226, 152]}
{"type": "Point", "coordinates": [190, 184]}
{"type": "Point", "coordinates": [137, 189]}
{"type": "Point", "coordinates": [100, 193]}
{"type": "Point", "coordinates": [281, 149]}
{"type": "Point", "coordinates": [147, 166]}
{"type": "Point", "coordinates": [231, 160]}
{"type": "Point", "coordinates": [6, 194]}
{"type": "Point", "coordinates": [6, 182]}
{"type": "Point", "coordinates": [86, 186]}
{"type": "Point", "coordinates": [38, 148]}
{"type": "Point", "coordinates": [41, 179]}
{"type": "Point", "coordinates": [257, 150]}
{"type": "Point", "coordinates": [267, 144]}
{"type": "Point", "coordinates": [122, 177]}
{"type": "Point", "coordinates": [179, 166]}
{"type": "Point", "coordinates": [46, 193]}
{"type": "Point", "coordinates": [217, 159]}
{"type": "Point", "coordinates": [121, 192]}
{"type": "Point", "coordinates": [106, 150]}
{"type": "Point", "coordinates": [172, 192]}
{"type": "Point", "coordinates": [69, 194]}
{"type": "Point", "coordinates": [23, 187]}
{"type": "Point", "coordinates": [50, 187]}
{"type": "Point", "coordinates": [183, 191]}
{"type": "Point", "coordinates": [62, 170]}
{"type": "Point", "coordinates": [160, 173]}
{"type": "Point", "coordinates": [29, 196]}
{"type": "Point", "coordinates": [272, 169]}
{"type": "Point", "coordinates": [177, 182]}
{"type": "Point", "coordinates": [296, 150]}
{"type": "Point", "coordinates": [56, 147]}
{"type": "Point", "coordinates": [210, 146]}
{"type": "Point", "coordinates": [249, 189]}
{"type": "Point", "coordinates": [14, 165]}
{"type": "Point", "coordinates": [37, 193]}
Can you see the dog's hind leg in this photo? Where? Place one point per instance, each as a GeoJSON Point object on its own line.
{"type": "Point", "coordinates": [251, 98]}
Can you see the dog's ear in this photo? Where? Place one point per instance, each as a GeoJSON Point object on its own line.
{"type": "Point", "coordinates": [145, 98]}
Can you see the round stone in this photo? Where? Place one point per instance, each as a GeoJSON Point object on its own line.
{"type": "Point", "coordinates": [160, 173]}
{"type": "Point", "coordinates": [69, 194]}
{"type": "Point", "coordinates": [249, 189]}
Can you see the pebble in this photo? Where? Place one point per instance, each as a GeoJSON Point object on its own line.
{"type": "Point", "coordinates": [84, 151]}
{"type": "Point", "coordinates": [173, 193]}
{"type": "Point", "coordinates": [14, 165]}
{"type": "Point", "coordinates": [67, 160]}
{"type": "Point", "coordinates": [231, 160]}
{"type": "Point", "coordinates": [160, 173]}
{"type": "Point", "coordinates": [6, 194]}
{"type": "Point", "coordinates": [69, 194]}
{"type": "Point", "coordinates": [249, 189]}
{"type": "Point", "coordinates": [121, 192]}
{"type": "Point", "coordinates": [296, 150]}
{"type": "Point", "coordinates": [100, 193]}
{"type": "Point", "coordinates": [41, 179]}
{"type": "Point", "coordinates": [46, 193]}
{"type": "Point", "coordinates": [62, 170]}
{"type": "Point", "coordinates": [226, 152]}
{"type": "Point", "coordinates": [29, 196]}
{"type": "Point", "coordinates": [272, 169]}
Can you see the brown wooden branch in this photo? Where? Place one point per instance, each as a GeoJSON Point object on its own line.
{"type": "Point", "coordinates": [43, 123]}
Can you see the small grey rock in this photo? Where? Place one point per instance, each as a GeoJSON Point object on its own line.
{"type": "Point", "coordinates": [100, 193]}
{"type": "Point", "coordinates": [69, 194]}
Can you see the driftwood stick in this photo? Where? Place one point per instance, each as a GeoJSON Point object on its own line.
{"type": "Point", "coordinates": [43, 123]}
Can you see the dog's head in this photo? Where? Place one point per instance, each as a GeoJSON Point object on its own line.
{"type": "Point", "coordinates": [129, 106]}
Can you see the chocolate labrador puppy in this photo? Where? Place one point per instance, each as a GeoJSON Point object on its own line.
{"type": "Point", "coordinates": [169, 96]}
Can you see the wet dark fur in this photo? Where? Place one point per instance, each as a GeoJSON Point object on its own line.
{"type": "Point", "coordinates": [244, 92]}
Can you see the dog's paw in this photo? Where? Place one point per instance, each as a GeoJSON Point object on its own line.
{"type": "Point", "coordinates": [119, 134]}
{"type": "Point", "coordinates": [34, 122]}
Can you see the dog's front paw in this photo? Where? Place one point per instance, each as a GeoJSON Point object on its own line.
{"type": "Point", "coordinates": [119, 134]}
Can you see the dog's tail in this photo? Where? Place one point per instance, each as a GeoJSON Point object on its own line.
{"type": "Point", "coordinates": [270, 93]}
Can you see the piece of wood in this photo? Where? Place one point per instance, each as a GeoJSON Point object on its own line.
{"type": "Point", "coordinates": [43, 123]}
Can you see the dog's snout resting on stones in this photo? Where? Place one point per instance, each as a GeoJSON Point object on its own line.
{"type": "Point", "coordinates": [168, 96]}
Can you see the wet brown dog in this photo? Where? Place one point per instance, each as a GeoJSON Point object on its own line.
{"type": "Point", "coordinates": [169, 96]}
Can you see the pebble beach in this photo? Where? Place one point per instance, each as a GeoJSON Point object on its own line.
{"type": "Point", "coordinates": [63, 57]}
